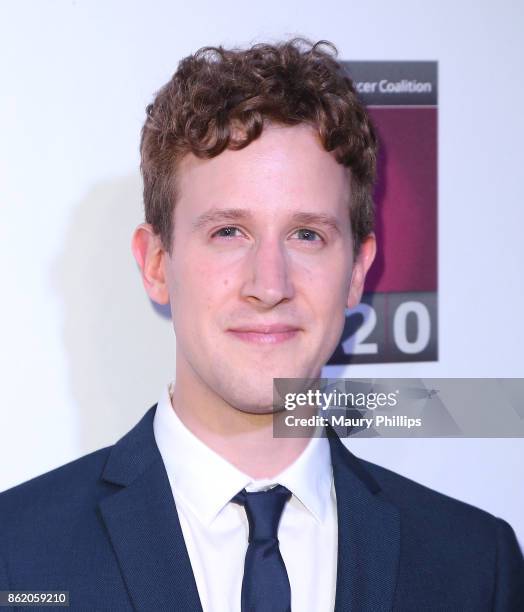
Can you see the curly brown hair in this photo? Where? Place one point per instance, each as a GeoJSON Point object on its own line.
{"type": "Point", "coordinates": [221, 99]}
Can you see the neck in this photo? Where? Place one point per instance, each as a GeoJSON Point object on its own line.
{"type": "Point", "coordinates": [244, 439]}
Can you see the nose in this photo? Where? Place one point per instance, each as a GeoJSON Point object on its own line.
{"type": "Point", "coordinates": [267, 276]}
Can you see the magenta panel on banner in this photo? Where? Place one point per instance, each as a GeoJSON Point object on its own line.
{"type": "Point", "coordinates": [397, 319]}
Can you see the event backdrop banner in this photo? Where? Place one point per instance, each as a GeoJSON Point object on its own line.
{"type": "Point", "coordinates": [397, 318]}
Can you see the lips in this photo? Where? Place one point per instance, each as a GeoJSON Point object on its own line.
{"type": "Point", "coordinates": [274, 328]}
{"type": "Point", "coordinates": [265, 333]}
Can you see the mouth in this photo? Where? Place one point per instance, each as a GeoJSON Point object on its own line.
{"type": "Point", "coordinates": [265, 334]}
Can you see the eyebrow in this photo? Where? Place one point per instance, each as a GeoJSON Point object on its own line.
{"type": "Point", "coordinates": [307, 218]}
{"type": "Point", "coordinates": [221, 214]}
{"type": "Point", "coordinates": [241, 214]}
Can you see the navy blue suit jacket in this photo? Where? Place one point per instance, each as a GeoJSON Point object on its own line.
{"type": "Point", "coordinates": [105, 528]}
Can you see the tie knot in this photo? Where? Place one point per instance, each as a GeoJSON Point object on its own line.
{"type": "Point", "coordinates": [263, 510]}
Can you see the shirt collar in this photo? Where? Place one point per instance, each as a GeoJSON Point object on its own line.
{"type": "Point", "coordinates": [207, 482]}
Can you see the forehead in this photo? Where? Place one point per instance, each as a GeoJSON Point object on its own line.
{"type": "Point", "coordinates": [285, 166]}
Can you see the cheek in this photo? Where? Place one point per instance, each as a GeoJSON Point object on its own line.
{"type": "Point", "coordinates": [327, 284]}
{"type": "Point", "coordinates": [204, 291]}
{"type": "Point", "coordinates": [327, 297]}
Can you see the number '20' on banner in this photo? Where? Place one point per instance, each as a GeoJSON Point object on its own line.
{"type": "Point", "coordinates": [397, 318]}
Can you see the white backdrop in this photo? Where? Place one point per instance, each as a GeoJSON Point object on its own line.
{"type": "Point", "coordinates": [84, 353]}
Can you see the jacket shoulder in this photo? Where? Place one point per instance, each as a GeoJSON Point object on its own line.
{"type": "Point", "coordinates": [430, 516]}
{"type": "Point", "coordinates": [66, 486]}
{"type": "Point", "coordinates": [67, 498]}
{"type": "Point", "coordinates": [439, 531]}
{"type": "Point", "coordinates": [411, 496]}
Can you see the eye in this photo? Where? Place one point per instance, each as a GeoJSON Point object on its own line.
{"type": "Point", "coordinates": [308, 235]}
{"type": "Point", "coordinates": [225, 232]}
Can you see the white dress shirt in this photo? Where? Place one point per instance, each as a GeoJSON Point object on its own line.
{"type": "Point", "coordinates": [216, 530]}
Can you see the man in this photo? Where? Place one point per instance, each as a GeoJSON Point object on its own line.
{"type": "Point", "coordinates": [258, 167]}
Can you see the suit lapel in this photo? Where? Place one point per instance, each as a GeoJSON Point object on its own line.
{"type": "Point", "coordinates": [368, 536]}
{"type": "Point", "coordinates": [143, 525]}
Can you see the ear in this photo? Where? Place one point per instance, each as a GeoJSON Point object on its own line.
{"type": "Point", "coordinates": [363, 261]}
{"type": "Point", "coordinates": [149, 254]}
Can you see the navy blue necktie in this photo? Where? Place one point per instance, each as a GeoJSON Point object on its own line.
{"type": "Point", "coordinates": [265, 586]}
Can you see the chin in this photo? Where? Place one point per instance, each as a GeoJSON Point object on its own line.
{"type": "Point", "coordinates": [252, 390]}
{"type": "Point", "coordinates": [259, 401]}
{"type": "Point", "coordinates": [272, 366]}
{"type": "Point", "coordinates": [256, 410]}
